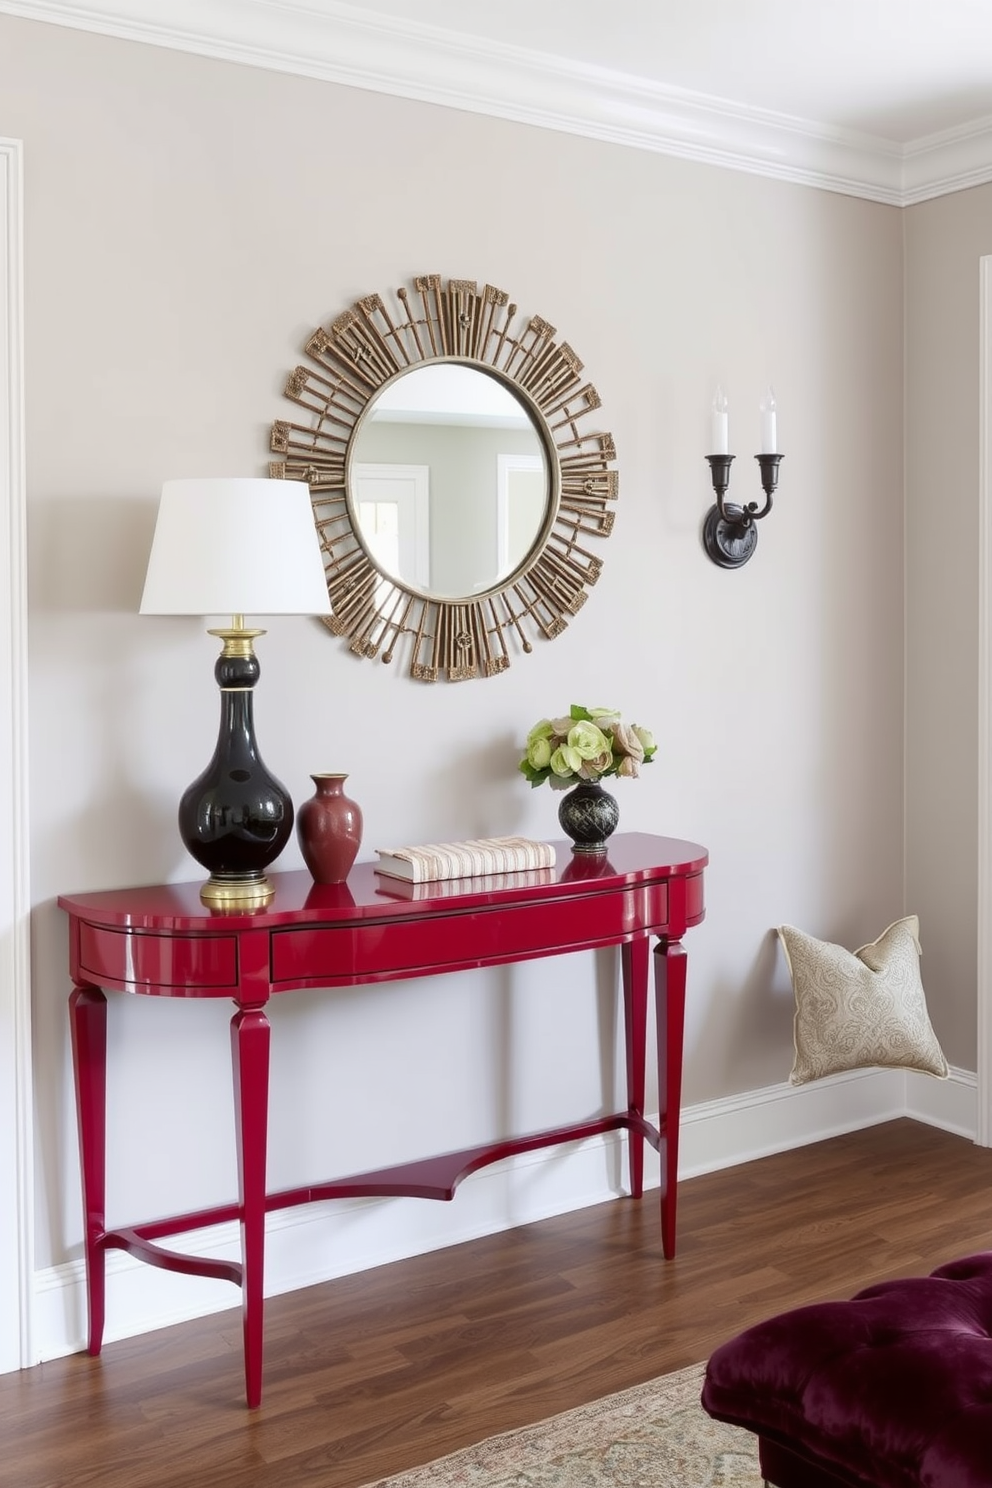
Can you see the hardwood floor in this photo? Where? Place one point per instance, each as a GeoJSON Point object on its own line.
{"type": "Point", "coordinates": [384, 1370]}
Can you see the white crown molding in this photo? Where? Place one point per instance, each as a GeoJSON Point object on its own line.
{"type": "Point", "coordinates": [342, 43]}
{"type": "Point", "coordinates": [952, 161]}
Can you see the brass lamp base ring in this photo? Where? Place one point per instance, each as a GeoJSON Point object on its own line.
{"type": "Point", "coordinates": [728, 540]}
{"type": "Point", "coordinates": [237, 895]}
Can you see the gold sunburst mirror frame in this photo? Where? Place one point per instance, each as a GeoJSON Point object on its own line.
{"type": "Point", "coordinates": [366, 350]}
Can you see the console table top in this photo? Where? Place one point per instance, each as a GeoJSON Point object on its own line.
{"type": "Point", "coordinates": [632, 858]}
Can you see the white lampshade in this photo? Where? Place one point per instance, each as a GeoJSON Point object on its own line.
{"type": "Point", "coordinates": [238, 546]}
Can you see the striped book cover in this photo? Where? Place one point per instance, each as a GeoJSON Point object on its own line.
{"type": "Point", "coordinates": [480, 855]}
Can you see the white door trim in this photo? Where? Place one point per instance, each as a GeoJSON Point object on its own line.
{"type": "Point", "coordinates": [415, 538]}
{"type": "Point", "coordinates": [506, 467]}
{"type": "Point", "coordinates": [16, 1161]}
{"type": "Point", "coordinates": [984, 979]}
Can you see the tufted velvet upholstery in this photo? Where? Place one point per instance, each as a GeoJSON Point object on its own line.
{"type": "Point", "coordinates": [892, 1389]}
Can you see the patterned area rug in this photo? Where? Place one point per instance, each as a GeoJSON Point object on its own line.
{"type": "Point", "coordinates": [652, 1436]}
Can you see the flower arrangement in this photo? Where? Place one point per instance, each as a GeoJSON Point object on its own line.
{"type": "Point", "coordinates": [589, 744]}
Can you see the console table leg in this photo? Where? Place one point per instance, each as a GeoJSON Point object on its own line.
{"type": "Point", "coordinates": [88, 1027]}
{"type": "Point", "coordinates": [669, 983]}
{"type": "Point", "coordinates": [250, 1057]}
{"type": "Point", "coordinates": [634, 966]}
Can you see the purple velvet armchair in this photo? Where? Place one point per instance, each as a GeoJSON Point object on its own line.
{"type": "Point", "coordinates": [892, 1389]}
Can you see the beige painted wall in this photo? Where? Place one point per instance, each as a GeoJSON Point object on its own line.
{"type": "Point", "coordinates": [188, 224]}
{"type": "Point", "coordinates": [945, 239]}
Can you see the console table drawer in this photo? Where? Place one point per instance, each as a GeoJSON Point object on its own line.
{"type": "Point", "coordinates": [206, 964]}
{"type": "Point", "coordinates": [335, 955]}
{"type": "Point", "coordinates": [694, 898]}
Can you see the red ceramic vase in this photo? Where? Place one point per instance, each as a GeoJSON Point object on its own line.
{"type": "Point", "coordinates": [329, 829]}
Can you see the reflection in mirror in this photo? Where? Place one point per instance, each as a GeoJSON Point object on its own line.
{"type": "Point", "coordinates": [448, 478]}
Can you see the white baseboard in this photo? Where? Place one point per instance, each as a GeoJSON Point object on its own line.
{"type": "Point", "coordinates": [309, 1245]}
{"type": "Point", "coordinates": [721, 1133]}
{"type": "Point", "coordinates": [951, 1104]}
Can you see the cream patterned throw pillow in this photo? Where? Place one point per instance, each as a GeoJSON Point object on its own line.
{"type": "Point", "coordinates": [861, 1008]}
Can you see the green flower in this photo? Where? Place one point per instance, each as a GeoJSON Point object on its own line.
{"type": "Point", "coordinates": [587, 740]}
{"type": "Point", "coordinates": [647, 741]}
{"type": "Point", "coordinates": [539, 751]}
{"type": "Point", "coordinates": [542, 730]}
{"type": "Point", "coordinates": [566, 761]}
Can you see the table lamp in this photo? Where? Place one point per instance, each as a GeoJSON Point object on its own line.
{"type": "Point", "coordinates": [235, 547]}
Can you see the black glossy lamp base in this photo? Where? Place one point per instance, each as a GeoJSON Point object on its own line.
{"type": "Point", "coordinates": [236, 818]}
{"type": "Point", "coordinates": [727, 539]}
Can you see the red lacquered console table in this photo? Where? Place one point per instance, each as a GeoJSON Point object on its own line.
{"type": "Point", "coordinates": [162, 942]}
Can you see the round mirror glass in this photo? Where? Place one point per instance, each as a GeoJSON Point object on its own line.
{"type": "Point", "coordinates": [448, 480]}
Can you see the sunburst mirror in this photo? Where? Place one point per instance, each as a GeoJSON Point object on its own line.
{"type": "Point", "coordinates": [455, 493]}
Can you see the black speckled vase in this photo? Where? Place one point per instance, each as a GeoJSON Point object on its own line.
{"type": "Point", "coordinates": [588, 814]}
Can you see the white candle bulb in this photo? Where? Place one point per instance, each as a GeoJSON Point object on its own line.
{"type": "Point", "coordinates": [720, 432]}
{"type": "Point", "coordinates": [769, 433]}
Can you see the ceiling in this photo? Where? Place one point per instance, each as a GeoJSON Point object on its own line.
{"type": "Point", "coordinates": [890, 99]}
{"type": "Point", "coordinates": [898, 69]}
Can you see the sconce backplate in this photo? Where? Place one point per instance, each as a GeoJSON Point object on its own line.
{"type": "Point", "coordinates": [729, 541]}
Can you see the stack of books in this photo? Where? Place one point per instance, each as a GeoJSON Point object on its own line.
{"type": "Point", "coordinates": [436, 861]}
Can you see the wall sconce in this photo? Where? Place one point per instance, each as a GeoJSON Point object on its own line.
{"type": "Point", "coordinates": [730, 535]}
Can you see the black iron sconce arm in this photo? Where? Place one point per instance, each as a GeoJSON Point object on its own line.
{"type": "Point", "coordinates": [729, 532]}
